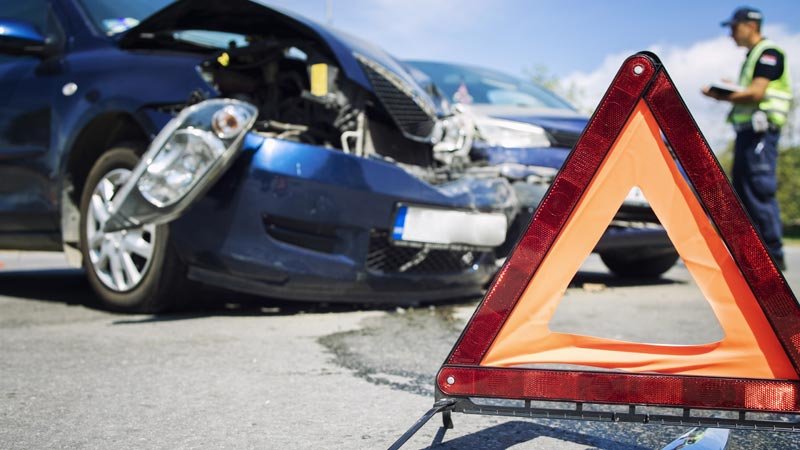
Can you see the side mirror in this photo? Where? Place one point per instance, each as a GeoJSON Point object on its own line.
{"type": "Point", "coordinates": [21, 38]}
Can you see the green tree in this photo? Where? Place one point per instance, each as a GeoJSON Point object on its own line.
{"type": "Point", "coordinates": [726, 160]}
{"type": "Point", "coordinates": [541, 75]}
{"type": "Point", "coordinates": [789, 186]}
{"type": "Point", "coordinates": [788, 182]}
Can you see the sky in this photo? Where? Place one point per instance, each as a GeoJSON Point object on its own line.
{"type": "Point", "coordinates": [583, 43]}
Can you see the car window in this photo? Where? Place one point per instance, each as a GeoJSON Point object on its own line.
{"type": "Point", "coordinates": [31, 11]}
{"type": "Point", "coordinates": [466, 84]}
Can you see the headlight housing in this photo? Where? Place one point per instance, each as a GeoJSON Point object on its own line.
{"type": "Point", "coordinates": [186, 157]}
{"type": "Point", "coordinates": [455, 135]}
{"type": "Point", "coordinates": [511, 134]}
{"type": "Point", "coordinates": [181, 163]}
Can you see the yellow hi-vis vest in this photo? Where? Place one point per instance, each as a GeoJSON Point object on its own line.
{"type": "Point", "coordinates": [777, 99]}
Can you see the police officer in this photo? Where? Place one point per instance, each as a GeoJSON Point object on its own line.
{"type": "Point", "coordinates": [760, 107]}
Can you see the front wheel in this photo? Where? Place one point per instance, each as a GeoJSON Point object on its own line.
{"type": "Point", "coordinates": [133, 270]}
{"type": "Point", "coordinates": [627, 264]}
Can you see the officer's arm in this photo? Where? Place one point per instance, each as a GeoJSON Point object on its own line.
{"type": "Point", "coordinates": [753, 94]}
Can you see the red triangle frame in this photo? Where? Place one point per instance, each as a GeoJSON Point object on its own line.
{"type": "Point", "coordinates": [641, 77]}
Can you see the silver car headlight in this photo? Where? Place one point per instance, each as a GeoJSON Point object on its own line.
{"type": "Point", "coordinates": [511, 134]}
{"type": "Point", "coordinates": [454, 137]}
{"type": "Point", "coordinates": [184, 159]}
{"type": "Point", "coordinates": [200, 138]}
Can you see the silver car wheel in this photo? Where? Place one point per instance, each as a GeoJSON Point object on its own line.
{"type": "Point", "coordinates": [119, 259]}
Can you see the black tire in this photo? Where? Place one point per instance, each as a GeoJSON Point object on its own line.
{"type": "Point", "coordinates": [161, 285]}
{"type": "Point", "coordinates": [633, 265]}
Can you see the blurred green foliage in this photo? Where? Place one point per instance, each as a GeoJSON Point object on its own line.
{"type": "Point", "coordinates": [541, 75]}
{"type": "Point", "coordinates": [789, 185]}
{"type": "Point", "coordinates": [788, 182]}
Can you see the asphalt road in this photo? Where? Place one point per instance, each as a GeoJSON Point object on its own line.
{"type": "Point", "coordinates": [242, 373]}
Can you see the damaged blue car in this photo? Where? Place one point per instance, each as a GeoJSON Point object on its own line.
{"type": "Point", "coordinates": [163, 144]}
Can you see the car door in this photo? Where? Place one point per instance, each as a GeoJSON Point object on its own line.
{"type": "Point", "coordinates": [28, 200]}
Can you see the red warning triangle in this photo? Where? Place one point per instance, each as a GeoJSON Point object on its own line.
{"type": "Point", "coordinates": [755, 367]}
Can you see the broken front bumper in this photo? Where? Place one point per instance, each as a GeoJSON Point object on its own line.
{"type": "Point", "coordinates": [285, 219]}
{"type": "Point", "coordinates": [301, 222]}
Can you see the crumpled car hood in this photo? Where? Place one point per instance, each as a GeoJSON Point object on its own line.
{"type": "Point", "coordinates": [248, 17]}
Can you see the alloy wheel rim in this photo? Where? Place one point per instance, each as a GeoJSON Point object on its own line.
{"type": "Point", "coordinates": [120, 259]}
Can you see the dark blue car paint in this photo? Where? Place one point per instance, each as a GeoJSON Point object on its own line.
{"type": "Point", "coordinates": [552, 157]}
{"type": "Point", "coordinates": [353, 195]}
{"type": "Point", "coordinates": [222, 237]}
{"type": "Point", "coordinates": [38, 118]}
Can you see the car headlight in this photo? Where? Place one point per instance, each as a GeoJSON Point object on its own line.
{"type": "Point", "coordinates": [192, 147]}
{"type": "Point", "coordinates": [186, 156]}
{"type": "Point", "coordinates": [454, 137]}
{"type": "Point", "coordinates": [183, 161]}
{"type": "Point", "coordinates": [510, 134]}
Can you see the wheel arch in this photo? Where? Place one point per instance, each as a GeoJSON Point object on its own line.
{"type": "Point", "coordinates": [98, 135]}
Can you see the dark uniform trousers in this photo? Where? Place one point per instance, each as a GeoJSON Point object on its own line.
{"type": "Point", "coordinates": [754, 179]}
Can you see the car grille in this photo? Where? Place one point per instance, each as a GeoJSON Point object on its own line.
{"type": "Point", "coordinates": [387, 258]}
{"type": "Point", "coordinates": [407, 113]}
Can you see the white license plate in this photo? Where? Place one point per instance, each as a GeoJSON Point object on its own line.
{"type": "Point", "coordinates": [442, 226]}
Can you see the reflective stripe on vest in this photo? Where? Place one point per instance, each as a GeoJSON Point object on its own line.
{"type": "Point", "coordinates": [777, 101]}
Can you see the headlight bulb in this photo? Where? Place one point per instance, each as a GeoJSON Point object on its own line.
{"type": "Point", "coordinates": [191, 162]}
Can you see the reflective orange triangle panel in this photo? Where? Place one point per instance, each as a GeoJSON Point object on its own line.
{"type": "Point", "coordinates": [640, 158]}
{"type": "Point", "coordinates": [507, 349]}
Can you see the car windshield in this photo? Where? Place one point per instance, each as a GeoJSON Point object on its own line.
{"type": "Point", "coordinates": [475, 85]}
{"type": "Point", "coordinates": [114, 17]}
